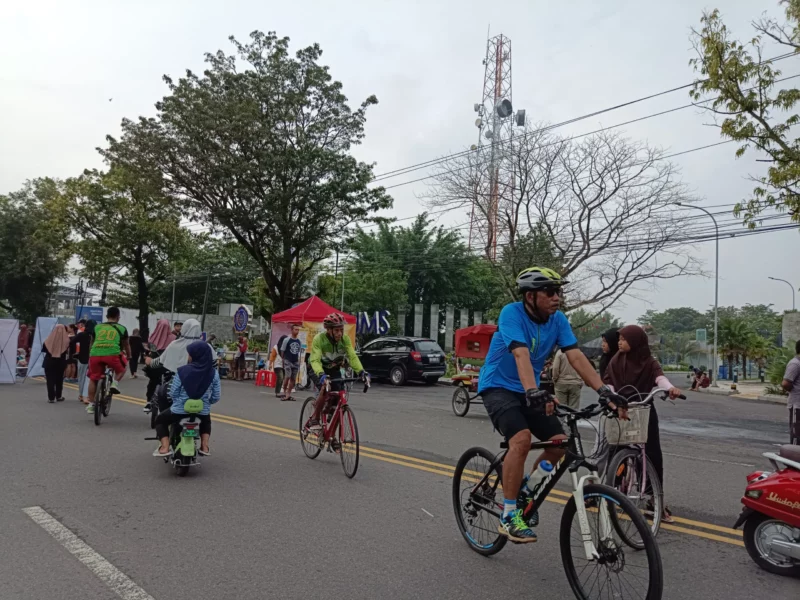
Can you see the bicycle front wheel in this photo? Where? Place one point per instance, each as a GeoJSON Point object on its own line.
{"type": "Point", "coordinates": [640, 484]}
{"type": "Point", "coordinates": [348, 442]}
{"type": "Point", "coordinates": [311, 441]}
{"type": "Point", "coordinates": [614, 569]}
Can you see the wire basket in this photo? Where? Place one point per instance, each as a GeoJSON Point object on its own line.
{"type": "Point", "coordinates": [624, 433]}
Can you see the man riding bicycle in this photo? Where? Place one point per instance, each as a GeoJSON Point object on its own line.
{"type": "Point", "coordinates": [331, 350]}
{"type": "Point", "coordinates": [110, 349]}
{"type": "Point", "coordinates": [527, 333]}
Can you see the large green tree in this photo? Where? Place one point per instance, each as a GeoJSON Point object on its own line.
{"type": "Point", "coordinates": [34, 247]}
{"type": "Point", "coordinates": [259, 145]}
{"type": "Point", "coordinates": [588, 326]}
{"type": "Point", "coordinates": [754, 108]}
{"type": "Point", "coordinates": [126, 223]}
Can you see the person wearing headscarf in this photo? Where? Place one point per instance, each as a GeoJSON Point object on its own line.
{"type": "Point", "coordinates": [633, 373]}
{"type": "Point", "coordinates": [79, 347]}
{"type": "Point", "coordinates": [610, 346]}
{"type": "Point", "coordinates": [24, 339]}
{"type": "Point", "coordinates": [55, 349]}
{"type": "Point", "coordinates": [157, 344]}
{"type": "Point", "coordinates": [196, 380]}
{"type": "Point", "coordinates": [176, 354]}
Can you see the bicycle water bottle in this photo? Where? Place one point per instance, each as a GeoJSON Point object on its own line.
{"type": "Point", "coordinates": [532, 483]}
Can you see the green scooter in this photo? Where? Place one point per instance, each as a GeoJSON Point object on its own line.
{"type": "Point", "coordinates": [183, 438]}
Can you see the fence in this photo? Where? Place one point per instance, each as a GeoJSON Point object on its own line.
{"type": "Point", "coordinates": [436, 322]}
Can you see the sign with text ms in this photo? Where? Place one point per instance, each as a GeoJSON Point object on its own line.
{"type": "Point", "coordinates": [377, 323]}
{"type": "Point", "coordinates": [89, 312]}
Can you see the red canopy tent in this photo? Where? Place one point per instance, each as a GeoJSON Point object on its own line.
{"type": "Point", "coordinates": [312, 310]}
{"type": "Point", "coordinates": [473, 342]}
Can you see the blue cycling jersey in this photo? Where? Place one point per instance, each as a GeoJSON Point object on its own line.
{"type": "Point", "coordinates": [516, 326]}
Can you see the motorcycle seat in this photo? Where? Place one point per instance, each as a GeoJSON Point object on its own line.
{"type": "Point", "coordinates": [790, 452]}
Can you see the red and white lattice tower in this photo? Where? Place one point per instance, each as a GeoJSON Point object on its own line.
{"type": "Point", "coordinates": [492, 163]}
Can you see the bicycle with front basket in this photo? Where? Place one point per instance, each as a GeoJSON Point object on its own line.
{"type": "Point", "coordinates": [597, 524]}
{"type": "Point", "coordinates": [339, 433]}
{"type": "Point", "coordinates": [628, 469]}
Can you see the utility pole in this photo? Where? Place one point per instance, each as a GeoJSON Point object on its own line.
{"type": "Point", "coordinates": [342, 290]}
{"type": "Point", "coordinates": [787, 283]}
{"type": "Point", "coordinates": [335, 273]}
{"type": "Point", "coordinates": [205, 303]}
{"type": "Point", "coordinates": [174, 275]}
{"type": "Point", "coordinates": [715, 373]}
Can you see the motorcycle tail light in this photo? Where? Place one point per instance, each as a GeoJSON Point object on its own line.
{"type": "Point", "coordinates": [754, 494]}
{"type": "Point", "coordinates": [190, 425]}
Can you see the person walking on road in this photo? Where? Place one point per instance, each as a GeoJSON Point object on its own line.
{"type": "Point", "coordinates": [80, 345]}
{"type": "Point", "coordinates": [240, 360]}
{"type": "Point", "coordinates": [791, 383]}
{"type": "Point", "coordinates": [609, 342]}
{"type": "Point", "coordinates": [290, 353]}
{"type": "Point", "coordinates": [55, 349]}
{"type": "Point", "coordinates": [567, 383]}
{"type": "Point", "coordinates": [633, 373]}
{"type": "Point", "coordinates": [137, 347]}
{"type": "Point", "coordinates": [276, 365]}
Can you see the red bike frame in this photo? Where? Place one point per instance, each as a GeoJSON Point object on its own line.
{"type": "Point", "coordinates": [329, 428]}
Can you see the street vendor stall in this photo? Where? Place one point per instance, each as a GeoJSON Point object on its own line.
{"type": "Point", "coordinates": [472, 345]}
{"type": "Point", "coordinates": [309, 315]}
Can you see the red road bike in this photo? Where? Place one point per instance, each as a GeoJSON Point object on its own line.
{"type": "Point", "coordinates": [339, 433]}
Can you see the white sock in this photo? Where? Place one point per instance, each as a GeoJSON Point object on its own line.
{"type": "Point", "coordinates": [509, 506]}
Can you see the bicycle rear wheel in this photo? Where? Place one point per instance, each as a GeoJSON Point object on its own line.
{"type": "Point", "coordinates": [107, 400]}
{"type": "Point", "coordinates": [99, 394]}
{"type": "Point", "coordinates": [617, 571]}
{"type": "Point", "coordinates": [642, 488]}
{"type": "Point", "coordinates": [348, 442]}
{"type": "Point", "coordinates": [311, 442]}
{"type": "Point", "coordinates": [478, 526]}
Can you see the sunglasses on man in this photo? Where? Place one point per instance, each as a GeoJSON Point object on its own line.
{"type": "Point", "coordinates": [552, 291]}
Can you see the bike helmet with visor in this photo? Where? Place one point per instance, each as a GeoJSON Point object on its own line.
{"type": "Point", "coordinates": [333, 320]}
{"type": "Point", "coordinates": [539, 278]}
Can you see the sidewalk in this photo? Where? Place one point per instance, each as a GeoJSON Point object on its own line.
{"type": "Point", "coordinates": [746, 390]}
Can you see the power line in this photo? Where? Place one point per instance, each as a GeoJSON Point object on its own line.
{"type": "Point", "coordinates": [404, 170]}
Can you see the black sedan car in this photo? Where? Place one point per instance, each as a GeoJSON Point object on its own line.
{"type": "Point", "coordinates": [400, 359]}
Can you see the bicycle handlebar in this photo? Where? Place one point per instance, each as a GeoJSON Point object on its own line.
{"type": "Point", "coordinates": [329, 381]}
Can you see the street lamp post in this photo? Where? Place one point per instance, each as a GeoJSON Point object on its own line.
{"type": "Point", "coordinates": [716, 290]}
{"type": "Point", "coordinates": [787, 283]}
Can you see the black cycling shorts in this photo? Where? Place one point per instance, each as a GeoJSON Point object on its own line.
{"type": "Point", "coordinates": [510, 414]}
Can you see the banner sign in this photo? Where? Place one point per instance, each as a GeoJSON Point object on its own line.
{"type": "Point", "coordinates": [240, 319]}
{"type": "Point", "coordinates": [89, 312]}
{"type": "Point", "coordinates": [377, 323]}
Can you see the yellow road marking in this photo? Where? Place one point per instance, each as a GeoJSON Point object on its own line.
{"type": "Point", "coordinates": [442, 469]}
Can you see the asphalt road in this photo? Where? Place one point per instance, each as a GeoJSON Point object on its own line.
{"type": "Point", "coordinates": [260, 520]}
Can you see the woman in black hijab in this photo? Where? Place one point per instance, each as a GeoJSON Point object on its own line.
{"type": "Point", "coordinates": [610, 345]}
{"type": "Point", "coordinates": [633, 373]}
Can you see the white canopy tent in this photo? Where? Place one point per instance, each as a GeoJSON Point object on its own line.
{"type": "Point", "coordinates": [44, 325]}
{"type": "Point", "coordinates": [9, 332]}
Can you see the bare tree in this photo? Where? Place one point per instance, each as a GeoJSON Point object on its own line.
{"type": "Point", "coordinates": [604, 205]}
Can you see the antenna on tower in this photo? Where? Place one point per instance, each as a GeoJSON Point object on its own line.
{"type": "Point", "coordinates": [495, 123]}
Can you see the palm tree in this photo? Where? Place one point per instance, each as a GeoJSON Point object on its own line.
{"type": "Point", "coordinates": [733, 337]}
{"type": "Point", "coordinates": [757, 348]}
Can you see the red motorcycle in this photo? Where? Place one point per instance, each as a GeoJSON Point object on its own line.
{"type": "Point", "coordinates": [771, 514]}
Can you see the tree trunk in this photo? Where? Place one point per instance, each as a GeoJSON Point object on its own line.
{"type": "Point", "coordinates": [142, 294]}
{"type": "Point", "coordinates": [104, 292]}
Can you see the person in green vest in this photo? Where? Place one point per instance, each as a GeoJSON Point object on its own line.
{"type": "Point", "coordinates": [111, 348]}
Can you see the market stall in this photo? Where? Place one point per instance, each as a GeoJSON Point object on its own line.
{"type": "Point", "coordinates": [309, 315]}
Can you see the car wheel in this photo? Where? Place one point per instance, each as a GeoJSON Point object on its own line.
{"type": "Point", "coordinates": [397, 375]}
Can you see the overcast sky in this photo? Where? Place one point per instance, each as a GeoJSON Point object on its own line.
{"type": "Point", "coordinates": [62, 63]}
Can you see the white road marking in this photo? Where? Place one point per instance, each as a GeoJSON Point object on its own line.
{"type": "Point", "coordinates": [427, 513]}
{"type": "Point", "coordinates": [104, 570]}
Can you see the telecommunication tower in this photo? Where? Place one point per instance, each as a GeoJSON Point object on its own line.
{"type": "Point", "coordinates": [492, 164]}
